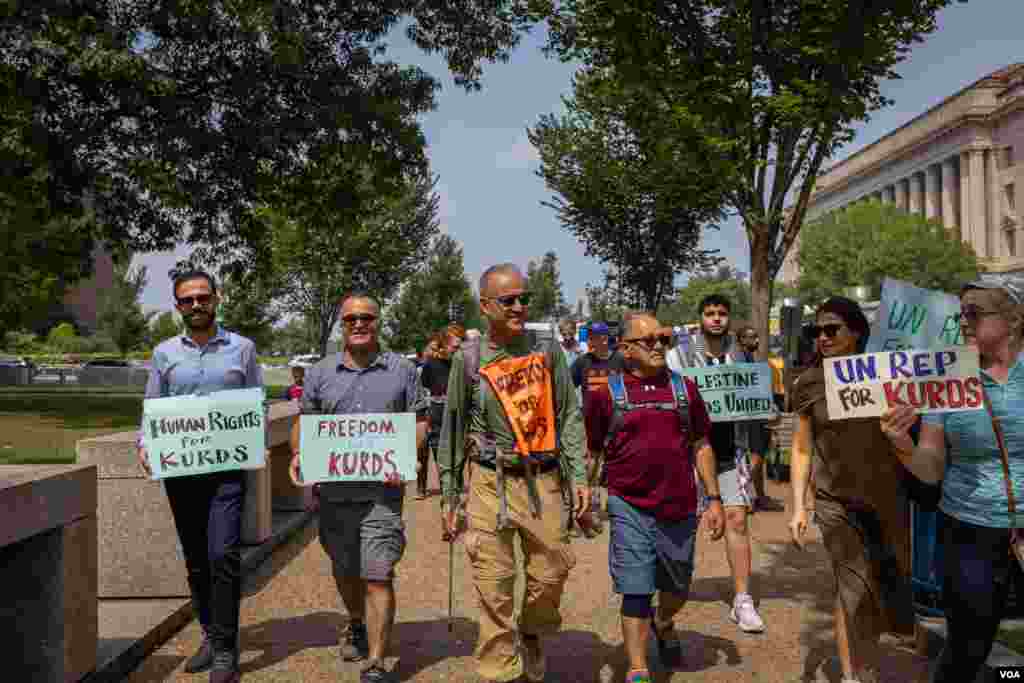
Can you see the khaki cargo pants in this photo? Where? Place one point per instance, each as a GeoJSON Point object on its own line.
{"type": "Point", "coordinates": [491, 552]}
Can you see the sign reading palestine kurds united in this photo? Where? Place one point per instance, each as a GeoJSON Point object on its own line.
{"type": "Point", "coordinates": [735, 392]}
{"type": "Point", "coordinates": [932, 381]}
{"type": "Point", "coordinates": [353, 448]}
{"type": "Point", "coordinates": [218, 432]}
{"type": "Point", "coordinates": [524, 388]}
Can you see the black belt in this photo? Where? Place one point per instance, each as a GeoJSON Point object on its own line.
{"type": "Point", "coordinates": [519, 470]}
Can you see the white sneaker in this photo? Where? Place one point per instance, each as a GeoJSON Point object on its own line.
{"type": "Point", "coordinates": [745, 615]}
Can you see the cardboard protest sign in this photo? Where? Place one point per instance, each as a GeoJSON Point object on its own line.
{"type": "Point", "coordinates": [218, 432]}
{"type": "Point", "coordinates": [352, 448]}
{"type": "Point", "coordinates": [913, 318]}
{"type": "Point", "coordinates": [523, 386]}
{"type": "Point", "coordinates": [736, 392]}
{"type": "Point", "coordinates": [932, 381]}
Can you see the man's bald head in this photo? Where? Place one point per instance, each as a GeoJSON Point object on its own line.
{"type": "Point", "coordinates": [487, 279]}
{"type": "Point", "coordinates": [638, 323]}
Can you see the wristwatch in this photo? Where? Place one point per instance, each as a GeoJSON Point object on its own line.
{"type": "Point", "coordinates": [715, 497]}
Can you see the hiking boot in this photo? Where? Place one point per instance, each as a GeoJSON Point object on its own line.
{"type": "Point", "coordinates": [225, 667]}
{"type": "Point", "coordinates": [745, 615]}
{"type": "Point", "coordinates": [533, 659]}
{"type": "Point", "coordinates": [670, 648]}
{"type": "Point", "coordinates": [375, 673]}
{"type": "Point", "coordinates": [355, 644]}
{"type": "Point", "coordinates": [202, 660]}
{"type": "Point", "coordinates": [639, 676]}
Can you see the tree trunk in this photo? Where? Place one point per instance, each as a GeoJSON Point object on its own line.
{"type": "Point", "coordinates": [760, 290]}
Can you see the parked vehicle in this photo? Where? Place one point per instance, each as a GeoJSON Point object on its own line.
{"type": "Point", "coordinates": [305, 361]}
{"type": "Point", "coordinates": [15, 362]}
{"type": "Point", "coordinates": [107, 363]}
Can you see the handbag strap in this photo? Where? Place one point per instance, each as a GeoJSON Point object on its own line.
{"type": "Point", "coordinates": [998, 429]}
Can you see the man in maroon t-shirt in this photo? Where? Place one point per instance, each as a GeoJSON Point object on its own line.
{"type": "Point", "coordinates": [652, 495]}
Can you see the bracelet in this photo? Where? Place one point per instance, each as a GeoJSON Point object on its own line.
{"type": "Point", "coordinates": [714, 498]}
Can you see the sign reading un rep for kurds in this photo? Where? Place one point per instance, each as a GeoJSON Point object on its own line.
{"type": "Point", "coordinates": [351, 448]}
{"type": "Point", "coordinates": [218, 432]}
{"type": "Point", "coordinates": [932, 381]}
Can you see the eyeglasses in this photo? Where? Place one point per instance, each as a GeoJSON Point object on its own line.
{"type": "Point", "coordinates": [972, 313]}
{"type": "Point", "coordinates": [510, 300]}
{"type": "Point", "coordinates": [352, 319]}
{"type": "Point", "coordinates": [198, 300]}
{"type": "Point", "coordinates": [651, 341]}
{"type": "Point", "coordinates": [830, 330]}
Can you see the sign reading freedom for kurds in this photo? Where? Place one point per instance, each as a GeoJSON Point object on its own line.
{"type": "Point", "coordinates": [736, 392]}
{"type": "Point", "coordinates": [913, 318]}
{"type": "Point", "coordinates": [187, 435]}
{"type": "Point", "coordinates": [363, 447]}
{"type": "Point", "coordinates": [932, 381]}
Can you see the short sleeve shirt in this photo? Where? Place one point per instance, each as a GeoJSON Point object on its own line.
{"type": "Point", "coordinates": [974, 486]}
{"type": "Point", "coordinates": [650, 460]}
{"type": "Point", "coordinates": [335, 387]}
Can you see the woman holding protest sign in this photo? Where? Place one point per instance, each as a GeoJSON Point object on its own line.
{"type": "Point", "coordinates": [982, 475]}
{"type": "Point", "coordinates": [859, 505]}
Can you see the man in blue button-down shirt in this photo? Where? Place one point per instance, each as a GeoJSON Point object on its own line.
{"type": "Point", "coordinates": [207, 508]}
{"type": "Point", "coordinates": [361, 527]}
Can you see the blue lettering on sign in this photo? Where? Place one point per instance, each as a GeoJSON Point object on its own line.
{"type": "Point", "coordinates": [897, 364]}
{"type": "Point", "coordinates": [907, 316]}
{"type": "Point", "coordinates": [856, 370]}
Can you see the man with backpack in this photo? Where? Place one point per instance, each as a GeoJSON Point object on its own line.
{"type": "Point", "coordinates": [653, 428]}
{"type": "Point", "coordinates": [730, 441]}
{"type": "Point", "coordinates": [512, 413]}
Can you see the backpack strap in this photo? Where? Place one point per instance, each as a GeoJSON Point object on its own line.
{"type": "Point", "coordinates": [471, 361]}
{"type": "Point", "coordinates": [682, 400]}
{"type": "Point", "coordinates": [620, 406]}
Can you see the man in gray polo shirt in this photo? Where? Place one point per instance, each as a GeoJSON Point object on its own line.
{"type": "Point", "coordinates": [361, 526]}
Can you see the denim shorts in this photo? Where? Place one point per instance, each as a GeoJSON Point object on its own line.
{"type": "Point", "coordinates": [646, 554]}
{"type": "Point", "coordinates": [363, 539]}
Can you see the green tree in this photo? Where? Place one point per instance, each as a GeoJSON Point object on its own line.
{"type": "Point", "coordinates": [624, 188]}
{"type": "Point", "coordinates": [247, 308]}
{"type": "Point", "coordinates": [294, 337]}
{"type": "Point", "coordinates": [63, 338]}
{"type": "Point", "coordinates": [724, 280]}
{"type": "Point", "coordinates": [150, 123]}
{"type": "Point", "coordinates": [164, 326]}
{"type": "Point", "coordinates": [766, 90]}
{"type": "Point", "coordinates": [863, 243]}
{"type": "Point", "coordinates": [606, 302]}
{"type": "Point", "coordinates": [120, 316]}
{"type": "Point", "coordinates": [432, 298]}
{"type": "Point", "coordinates": [320, 254]}
{"type": "Point", "coordinates": [544, 282]}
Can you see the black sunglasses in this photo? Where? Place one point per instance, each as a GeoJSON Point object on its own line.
{"type": "Point", "coordinates": [510, 300]}
{"type": "Point", "coordinates": [830, 330]}
{"type": "Point", "coordinates": [354, 318]}
{"type": "Point", "coordinates": [651, 341]}
{"type": "Point", "coordinates": [972, 313]}
{"type": "Point", "coordinates": [198, 300]}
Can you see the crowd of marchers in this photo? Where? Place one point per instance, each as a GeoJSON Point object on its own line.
{"type": "Point", "coordinates": [531, 458]}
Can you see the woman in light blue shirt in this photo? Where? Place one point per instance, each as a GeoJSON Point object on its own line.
{"type": "Point", "coordinates": [974, 511]}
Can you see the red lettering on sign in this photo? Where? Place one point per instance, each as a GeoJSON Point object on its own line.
{"type": "Point", "coordinates": [974, 395]}
{"type": "Point", "coordinates": [332, 467]}
{"type": "Point", "coordinates": [364, 459]}
{"type": "Point", "coordinates": [349, 463]}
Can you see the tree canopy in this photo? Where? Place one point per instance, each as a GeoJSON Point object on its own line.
{"type": "Point", "coordinates": [120, 316]}
{"type": "Point", "coordinates": [770, 89]}
{"type": "Point", "coordinates": [626, 190]}
{"type": "Point", "coordinates": [148, 124]}
{"type": "Point", "coordinates": [863, 243]}
{"type": "Point", "coordinates": [544, 282]}
{"type": "Point", "coordinates": [432, 298]}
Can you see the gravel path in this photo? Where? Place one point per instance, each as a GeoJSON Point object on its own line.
{"type": "Point", "coordinates": [292, 614]}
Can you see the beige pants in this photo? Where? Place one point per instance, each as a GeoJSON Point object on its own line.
{"type": "Point", "coordinates": [492, 554]}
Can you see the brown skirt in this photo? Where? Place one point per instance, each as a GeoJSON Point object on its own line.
{"type": "Point", "coordinates": [870, 552]}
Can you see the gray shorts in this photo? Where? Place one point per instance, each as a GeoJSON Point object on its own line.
{"type": "Point", "coordinates": [729, 487]}
{"type": "Point", "coordinates": [363, 539]}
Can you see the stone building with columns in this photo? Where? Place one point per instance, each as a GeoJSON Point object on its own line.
{"type": "Point", "coordinates": [960, 163]}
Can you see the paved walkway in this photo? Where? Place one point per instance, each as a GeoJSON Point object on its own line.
{"type": "Point", "coordinates": [292, 614]}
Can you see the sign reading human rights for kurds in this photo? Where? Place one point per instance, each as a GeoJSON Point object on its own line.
{"type": "Point", "coordinates": [932, 381]}
{"type": "Point", "coordinates": [736, 392]}
{"type": "Point", "coordinates": [218, 432]}
{"type": "Point", "coordinates": [352, 448]}
{"type": "Point", "coordinates": [913, 318]}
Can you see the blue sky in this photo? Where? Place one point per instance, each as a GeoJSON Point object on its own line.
{"type": "Point", "coordinates": [490, 194]}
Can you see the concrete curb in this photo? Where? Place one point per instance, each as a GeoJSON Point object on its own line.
{"type": "Point", "coordinates": [129, 653]}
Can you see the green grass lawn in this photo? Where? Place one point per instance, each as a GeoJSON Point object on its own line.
{"type": "Point", "coordinates": [42, 427]}
{"type": "Point", "coordinates": [1012, 638]}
